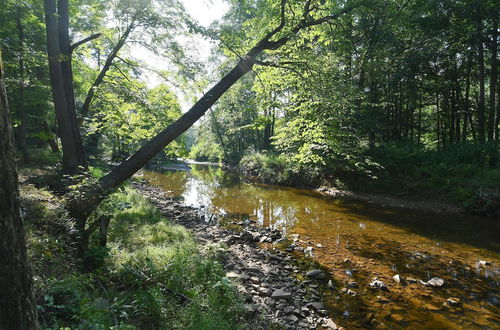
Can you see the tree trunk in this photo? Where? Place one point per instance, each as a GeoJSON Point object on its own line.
{"type": "Point", "coordinates": [61, 81]}
{"type": "Point", "coordinates": [82, 204]}
{"type": "Point", "coordinates": [51, 141]}
{"type": "Point", "coordinates": [493, 79]}
{"type": "Point", "coordinates": [21, 109]}
{"type": "Point", "coordinates": [480, 60]}
{"type": "Point", "coordinates": [100, 78]}
{"type": "Point", "coordinates": [17, 305]}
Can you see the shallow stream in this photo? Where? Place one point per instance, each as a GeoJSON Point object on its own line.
{"type": "Point", "coordinates": [358, 241]}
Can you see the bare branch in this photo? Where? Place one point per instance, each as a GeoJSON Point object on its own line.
{"type": "Point", "coordinates": [81, 42]}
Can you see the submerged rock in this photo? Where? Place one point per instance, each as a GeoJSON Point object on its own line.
{"type": "Point", "coordinates": [453, 301]}
{"type": "Point", "coordinates": [376, 284]}
{"type": "Point", "coordinates": [398, 279]}
{"type": "Point", "coordinates": [435, 282]}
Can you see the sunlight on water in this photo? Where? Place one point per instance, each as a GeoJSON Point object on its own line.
{"type": "Point", "coordinates": [360, 241]}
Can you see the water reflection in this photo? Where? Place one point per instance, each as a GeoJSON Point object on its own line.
{"type": "Point", "coordinates": [378, 241]}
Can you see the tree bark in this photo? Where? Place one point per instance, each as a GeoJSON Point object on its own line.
{"type": "Point", "coordinates": [493, 79]}
{"type": "Point", "coordinates": [480, 60]}
{"type": "Point", "coordinates": [62, 86]}
{"type": "Point", "coordinates": [21, 109]}
{"type": "Point", "coordinates": [17, 305]}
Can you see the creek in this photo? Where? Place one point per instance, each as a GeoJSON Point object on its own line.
{"type": "Point", "coordinates": [357, 241]}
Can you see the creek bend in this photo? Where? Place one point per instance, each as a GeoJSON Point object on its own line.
{"type": "Point", "coordinates": [357, 241]}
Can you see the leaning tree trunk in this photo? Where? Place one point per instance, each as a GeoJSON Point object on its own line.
{"type": "Point", "coordinates": [17, 305]}
{"type": "Point", "coordinates": [81, 204]}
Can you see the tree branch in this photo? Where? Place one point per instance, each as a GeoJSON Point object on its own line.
{"type": "Point", "coordinates": [81, 42]}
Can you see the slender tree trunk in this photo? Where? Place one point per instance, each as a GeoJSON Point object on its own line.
{"type": "Point", "coordinates": [60, 77]}
{"type": "Point", "coordinates": [466, 109]}
{"type": "Point", "coordinates": [52, 140]}
{"type": "Point", "coordinates": [102, 74]}
{"type": "Point", "coordinates": [493, 79]}
{"type": "Point", "coordinates": [480, 60]}
{"type": "Point", "coordinates": [17, 304]}
{"type": "Point", "coordinates": [21, 109]}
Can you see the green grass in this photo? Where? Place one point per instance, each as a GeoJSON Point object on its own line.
{"type": "Point", "coordinates": [148, 264]}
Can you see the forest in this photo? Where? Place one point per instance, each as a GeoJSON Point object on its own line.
{"type": "Point", "coordinates": [105, 103]}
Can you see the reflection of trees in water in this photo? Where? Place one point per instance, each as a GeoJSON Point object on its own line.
{"type": "Point", "coordinates": [174, 181]}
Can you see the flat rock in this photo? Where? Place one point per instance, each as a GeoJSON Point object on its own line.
{"type": "Point", "coordinates": [281, 294]}
{"type": "Point", "coordinates": [291, 318]}
{"type": "Point", "coordinates": [318, 306]}
{"type": "Point", "coordinates": [316, 274]}
{"type": "Point", "coordinates": [435, 282]}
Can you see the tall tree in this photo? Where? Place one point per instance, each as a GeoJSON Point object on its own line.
{"type": "Point", "coordinates": [17, 306]}
{"type": "Point", "coordinates": [59, 53]}
{"type": "Point", "coordinates": [82, 203]}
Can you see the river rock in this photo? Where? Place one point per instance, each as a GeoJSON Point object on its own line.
{"type": "Point", "coordinates": [317, 274]}
{"type": "Point", "coordinates": [453, 301]}
{"type": "Point", "coordinates": [352, 284]}
{"type": "Point", "coordinates": [435, 282]}
{"type": "Point", "coordinates": [398, 279]}
{"type": "Point", "coordinates": [318, 306]}
{"type": "Point", "coordinates": [281, 294]}
{"type": "Point", "coordinates": [377, 284]}
{"type": "Point", "coordinates": [329, 324]}
{"type": "Point", "coordinates": [411, 280]}
{"type": "Point", "coordinates": [330, 285]}
{"type": "Point", "coordinates": [291, 318]}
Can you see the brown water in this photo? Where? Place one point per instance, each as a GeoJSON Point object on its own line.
{"type": "Point", "coordinates": [377, 241]}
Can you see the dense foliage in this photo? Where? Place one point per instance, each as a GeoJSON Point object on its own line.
{"type": "Point", "coordinates": [359, 98]}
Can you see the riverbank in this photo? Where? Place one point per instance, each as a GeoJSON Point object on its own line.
{"type": "Point", "coordinates": [152, 273]}
{"type": "Point", "coordinates": [460, 180]}
{"type": "Point", "coordinates": [275, 288]}
{"type": "Point", "coordinates": [354, 241]}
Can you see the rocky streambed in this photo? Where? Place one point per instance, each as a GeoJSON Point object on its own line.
{"type": "Point", "coordinates": [379, 266]}
{"type": "Point", "coordinates": [278, 288]}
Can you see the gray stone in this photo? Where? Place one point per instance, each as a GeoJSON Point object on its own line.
{"type": "Point", "coordinates": [318, 306]}
{"type": "Point", "coordinates": [269, 301]}
{"type": "Point", "coordinates": [281, 294]}
{"type": "Point", "coordinates": [316, 274]}
{"type": "Point", "coordinates": [330, 285]}
{"type": "Point", "coordinates": [376, 284]}
{"type": "Point", "coordinates": [288, 310]}
{"type": "Point", "coordinates": [435, 282]}
{"type": "Point", "coordinates": [291, 318]}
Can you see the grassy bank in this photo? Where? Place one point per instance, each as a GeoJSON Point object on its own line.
{"type": "Point", "coordinates": [464, 175]}
{"type": "Point", "coordinates": [151, 275]}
